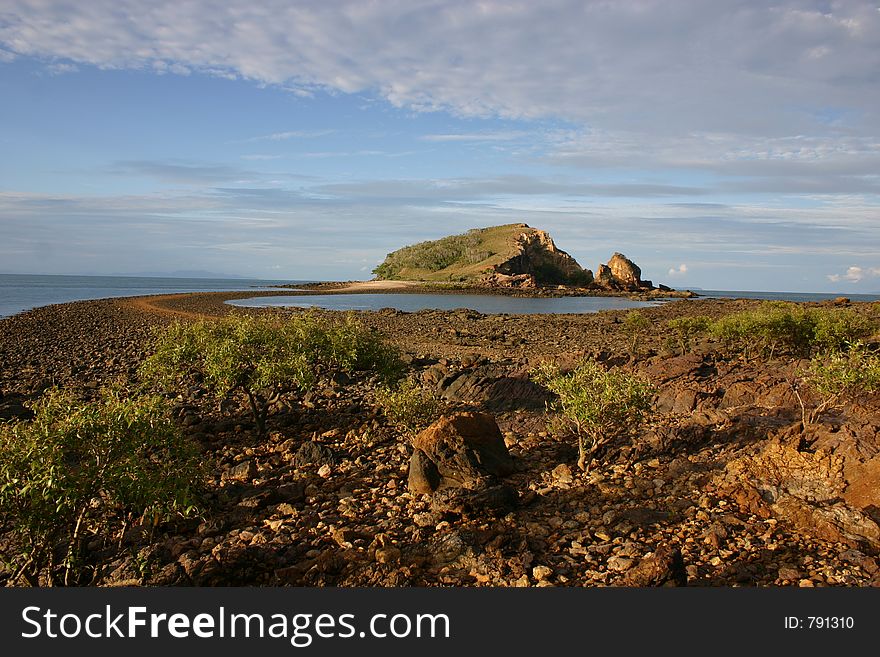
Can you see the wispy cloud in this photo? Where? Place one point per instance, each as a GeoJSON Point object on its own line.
{"type": "Point", "coordinates": [453, 189]}
{"type": "Point", "coordinates": [178, 172]}
{"type": "Point", "coordinates": [261, 156]}
{"type": "Point", "coordinates": [291, 134]}
{"type": "Point", "coordinates": [475, 136]}
{"type": "Point", "coordinates": [677, 271]}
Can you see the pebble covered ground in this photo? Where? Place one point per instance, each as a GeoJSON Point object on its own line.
{"type": "Point", "coordinates": [323, 499]}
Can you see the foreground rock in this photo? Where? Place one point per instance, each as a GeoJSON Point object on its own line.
{"type": "Point", "coordinates": [462, 450]}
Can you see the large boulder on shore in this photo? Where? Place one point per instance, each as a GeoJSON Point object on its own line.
{"type": "Point", "coordinates": [461, 450]}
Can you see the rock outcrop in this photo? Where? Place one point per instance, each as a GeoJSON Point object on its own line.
{"type": "Point", "coordinates": [535, 254]}
{"type": "Point", "coordinates": [621, 273]}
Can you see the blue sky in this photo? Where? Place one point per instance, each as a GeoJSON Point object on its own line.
{"type": "Point", "coordinates": [729, 145]}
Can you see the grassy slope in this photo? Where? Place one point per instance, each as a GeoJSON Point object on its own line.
{"type": "Point", "coordinates": [495, 243]}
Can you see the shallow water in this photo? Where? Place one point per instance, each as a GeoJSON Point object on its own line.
{"type": "Point", "coordinates": [482, 303]}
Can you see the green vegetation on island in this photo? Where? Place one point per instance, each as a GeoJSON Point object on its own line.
{"type": "Point", "coordinates": [479, 254]}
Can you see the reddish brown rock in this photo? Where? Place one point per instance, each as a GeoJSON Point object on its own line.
{"type": "Point", "coordinates": [463, 448]}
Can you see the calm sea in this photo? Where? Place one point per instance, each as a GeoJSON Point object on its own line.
{"type": "Point", "coordinates": [19, 292]}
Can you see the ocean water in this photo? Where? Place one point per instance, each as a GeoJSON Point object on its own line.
{"type": "Point", "coordinates": [19, 292]}
{"type": "Point", "coordinates": [785, 296]}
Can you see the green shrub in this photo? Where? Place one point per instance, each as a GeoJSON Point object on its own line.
{"type": "Point", "coordinates": [409, 406]}
{"type": "Point", "coordinates": [635, 324]}
{"type": "Point", "coordinates": [76, 470]}
{"type": "Point", "coordinates": [786, 327]}
{"type": "Point", "coordinates": [466, 249]}
{"type": "Point", "coordinates": [600, 405]}
{"type": "Point", "coordinates": [264, 358]}
{"type": "Point", "coordinates": [854, 371]}
{"type": "Point", "coordinates": [687, 328]}
{"type": "Point", "coordinates": [834, 329]}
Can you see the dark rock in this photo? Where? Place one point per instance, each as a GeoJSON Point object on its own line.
{"type": "Point", "coordinates": [311, 453]}
{"type": "Point", "coordinates": [495, 387]}
{"type": "Point", "coordinates": [423, 474]}
{"type": "Point", "coordinates": [292, 492]}
{"type": "Point", "coordinates": [491, 500]}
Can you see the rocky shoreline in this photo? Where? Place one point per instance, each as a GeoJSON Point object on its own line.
{"type": "Point", "coordinates": [421, 287]}
{"type": "Point", "coordinates": [724, 487]}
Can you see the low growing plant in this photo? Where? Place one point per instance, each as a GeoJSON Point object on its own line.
{"type": "Point", "coordinates": [77, 469]}
{"type": "Point", "coordinates": [688, 328]}
{"type": "Point", "coordinates": [841, 375]}
{"type": "Point", "coordinates": [409, 406]}
{"type": "Point", "coordinates": [636, 325]}
{"type": "Point", "coordinates": [263, 358]}
{"type": "Point", "coordinates": [599, 405]}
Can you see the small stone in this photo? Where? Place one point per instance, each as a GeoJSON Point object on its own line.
{"type": "Point", "coordinates": [788, 574]}
{"type": "Point", "coordinates": [244, 471]}
{"type": "Point", "coordinates": [286, 509]}
{"type": "Point", "coordinates": [562, 474]}
{"type": "Point", "coordinates": [541, 572]}
{"type": "Point", "coordinates": [806, 584]}
{"type": "Point", "coordinates": [619, 564]}
{"type": "Point", "coordinates": [522, 581]}
{"type": "Point", "coordinates": [424, 519]}
{"type": "Point", "coordinates": [324, 471]}
{"type": "Point", "coordinates": [387, 554]}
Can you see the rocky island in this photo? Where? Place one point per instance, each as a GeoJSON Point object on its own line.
{"type": "Point", "coordinates": [508, 256]}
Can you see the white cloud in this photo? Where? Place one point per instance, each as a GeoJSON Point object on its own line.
{"type": "Point", "coordinates": [855, 274]}
{"type": "Point", "coordinates": [679, 271]}
{"type": "Point", "coordinates": [682, 69]}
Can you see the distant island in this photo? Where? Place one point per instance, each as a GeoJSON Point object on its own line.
{"type": "Point", "coordinates": [508, 256]}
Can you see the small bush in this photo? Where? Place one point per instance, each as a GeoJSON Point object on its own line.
{"type": "Point", "coordinates": [410, 406]}
{"type": "Point", "coordinates": [850, 373]}
{"type": "Point", "coordinates": [834, 329]}
{"type": "Point", "coordinates": [688, 328]}
{"type": "Point", "coordinates": [635, 324]}
{"type": "Point", "coordinates": [785, 327]}
{"type": "Point", "coordinates": [77, 470]}
{"type": "Point", "coordinates": [264, 358]}
{"type": "Point", "coordinates": [600, 405]}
